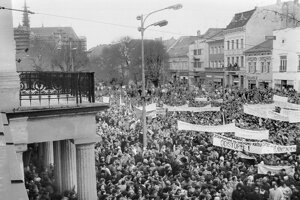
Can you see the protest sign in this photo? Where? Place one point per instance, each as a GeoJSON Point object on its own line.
{"type": "Point", "coordinates": [280, 98]}
{"type": "Point", "coordinates": [161, 111]}
{"type": "Point", "coordinates": [287, 105]}
{"type": "Point", "coordinates": [216, 129]}
{"type": "Point", "coordinates": [203, 99]}
{"type": "Point", "coordinates": [105, 99]}
{"type": "Point", "coordinates": [264, 169]}
{"type": "Point", "coordinates": [252, 134]}
{"type": "Point", "coordinates": [150, 111]}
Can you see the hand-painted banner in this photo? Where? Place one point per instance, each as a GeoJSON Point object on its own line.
{"type": "Point", "coordinates": [251, 147]}
{"type": "Point", "coordinates": [191, 109]}
{"type": "Point", "coordinates": [243, 133]}
{"type": "Point", "coordinates": [216, 129]}
{"type": "Point", "coordinates": [264, 169]}
{"type": "Point", "coordinates": [264, 112]}
{"type": "Point", "coordinates": [280, 98]}
{"type": "Point", "coordinates": [161, 111]}
{"type": "Point", "coordinates": [244, 156]}
{"type": "Point", "coordinates": [252, 134]}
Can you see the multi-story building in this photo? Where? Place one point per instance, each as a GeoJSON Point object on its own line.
{"type": "Point", "coordinates": [247, 29]}
{"type": "Point", "coordinates": [259, 65]}
{"type": "Point", "coordinates": [215, 69]}
{"type": "Point", "coordinates": [199, 55]}
{"type": "Point", "coordinates": [179, 57]}
{"type": "Point", "coordinates": [286, 58]}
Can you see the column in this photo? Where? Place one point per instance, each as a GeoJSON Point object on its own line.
{"type": "Point", "coordinates": [41, 154]}
{"type": "Point", "coordinates": [86, 173]}
{"type": "Point", "coordinates": [57, 165]}
{"type": "Point", "coordinates": [9, 79]}
{"type": "Point", "coordinates": [68, 165]}
{"type": "Point", "coordinates": [48, 154]}
{"type": "Point", "coordinates": [20, 149]}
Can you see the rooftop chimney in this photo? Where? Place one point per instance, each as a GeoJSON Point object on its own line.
{"type": "Point", "coordinates": [198, 33]}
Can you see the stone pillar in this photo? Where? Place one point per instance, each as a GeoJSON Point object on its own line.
{"type": "Point", "coordinates": [57, 165]}
{"type": "Point", "coordinates": [68, 165]}
{"type": "Point", "coordinates": [41, 153]}
{"type": "Point", "coordinates": [9, 79]}
{"type": "Point", "coordinates": [48, 154]}
{"type": "Point", "coordinates": [20, 149]}
{"type": "Point", "coordinates": [86, 173]}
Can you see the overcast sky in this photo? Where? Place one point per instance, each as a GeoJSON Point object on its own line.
{"type": "Point", "coordinates": [105, 21]}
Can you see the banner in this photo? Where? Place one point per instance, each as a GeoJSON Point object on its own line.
{"type": "Point", "coordinates": [252, 134]}
{"type": "Point", "coordinates": [287, 105]}
{"type": "Point", "coordinates": [161, 111]}
{"type": "Point", "coordinates": [244, 156]}
{"type": "Point", "coordinates": [263, 169]}
{"type": "Point", "coordinates": [191, 109]}
{"type": "Point", "coordinates": [264, 112]}
{"type": "Point", "coordinates": [251, 147]}
{"type": "Point", "coordinates": [280, 98]}
{"type": "Point", "coordinates": [216, 129]}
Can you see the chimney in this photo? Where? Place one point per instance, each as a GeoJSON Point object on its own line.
{"type": "Point", "coordinates": [198, 33]}
{"type": "Point", "coordinates": [278, 2]}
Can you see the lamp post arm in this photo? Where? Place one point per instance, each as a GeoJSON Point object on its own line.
{"type": "Point", "coordinates": [147, 15]}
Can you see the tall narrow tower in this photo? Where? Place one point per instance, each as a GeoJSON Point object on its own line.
{"type": "Point", "coordinates": [25, 17]}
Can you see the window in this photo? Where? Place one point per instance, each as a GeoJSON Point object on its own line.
{"type": "Point", "coordinates": [262, 67]}
{"type": "Point", "coordinates": [232, 44]}
{"type": "Point", "coordinates": [237, 44]}
{"type": "Point", "coordinates": [232, 60]}
{"type": "Point", "coordinates": [242, 61]}
{"type": "Point", "coordinates": [237, 61]}
{"type": "Point", "coordinates": [199, 51]}
{"type": "Point", "coordinates": [249, 67]}
{"type": "Point", "coordinates": [242, 43]}
{"type": "Point", "coordinates": [254, 67]}
{"type": "Point", "coordinates": [211, 50]}
{"type": "Point", "coordinates": [219, 49]}
{"type": "Point", "coordinates": [268, 67]}
{"type": "Point", "coordinates": [283, 63]}
{"type": "Point", "coordinates": [228, 45]}
{"type": "Point", "coordinates": [228, 61]}
{"type": "Point", "coordinates": [195, 51]}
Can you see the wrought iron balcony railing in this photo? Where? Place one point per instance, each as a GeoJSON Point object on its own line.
{"type": "Point", "coordinates": [50, 88]}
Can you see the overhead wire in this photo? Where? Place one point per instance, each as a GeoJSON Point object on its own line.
{"type": "Point", "coordinates": [130, 27]}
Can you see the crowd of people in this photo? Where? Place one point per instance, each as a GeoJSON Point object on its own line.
{"type": "Point", "coordinates": [185, 164]}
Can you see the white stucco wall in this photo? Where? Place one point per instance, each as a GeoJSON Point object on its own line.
{"type": "Point", "coordinates": [287, 43]}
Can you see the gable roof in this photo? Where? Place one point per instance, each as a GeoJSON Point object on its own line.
{"type": "Point", "coordinates": [68, 32]}
{"type": "Point", "coordinates": [181, 47]}
{"type": "Point", "coordinates": [240, 19]}
{"type": "Point", "coordinates": [262, 47]}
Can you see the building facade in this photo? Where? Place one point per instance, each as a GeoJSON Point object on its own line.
{"type": "Point", "coordinates": [179, 58]}
{"type": "Point", "coordinates": [286, 58]}
{"type": "Point", "coordinates": [259, 65]}
{"type": "Point", "coordinates": [215, 70]}
{"type": "Point", "coordinates": [247, 29]}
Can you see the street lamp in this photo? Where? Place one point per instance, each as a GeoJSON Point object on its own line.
{"type": "Point", "coordinates": [142, 29]}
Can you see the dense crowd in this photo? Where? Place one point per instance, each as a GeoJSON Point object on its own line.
{"type": "Point", "coordinates": [185, 164]}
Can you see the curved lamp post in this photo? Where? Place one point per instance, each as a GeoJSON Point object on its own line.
{"type": "Point", "coordinates": [142, 29]}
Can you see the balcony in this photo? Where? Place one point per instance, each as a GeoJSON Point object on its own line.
{"type": "Point", "coordinates": [232, 68]}
{"type": "Point", "coordinates": [56, 88]}
{"type": "Point", "coordinates": [217, 69]}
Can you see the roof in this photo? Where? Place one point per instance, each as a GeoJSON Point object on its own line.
{"type": "Point", "coordinates": [240, 19]}
{"type": "Point", "coordinates": [214, 34]}
{"type": "Point", "coordinates": [168, 43]}
{"type": "Point", "coordinates": [181, 46]}
{"type": "Point", "coordinates": [50, 31]}
{"type": "Point", "coordinates": [262, 47]}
